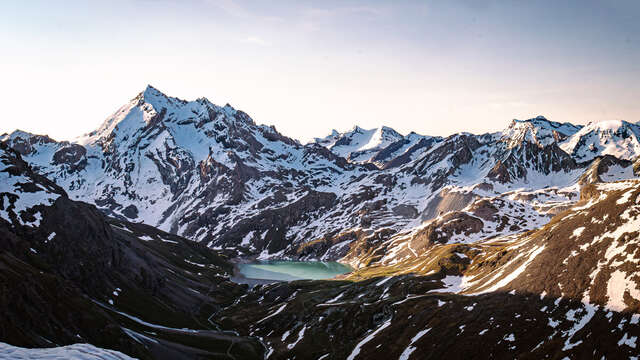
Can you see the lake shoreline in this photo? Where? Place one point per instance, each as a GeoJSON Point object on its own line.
{"type": "Point", "coordinates": [239, 278]}
{"type": "Point", "coordinates": [251, 271]}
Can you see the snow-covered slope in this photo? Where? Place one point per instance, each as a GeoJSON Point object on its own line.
{"type": "Point", "coordinates": [358, 141]}
{"type": "Point", "coordinates": [23, 194]}
{"type": "Point", "coordinates": [70, 352]}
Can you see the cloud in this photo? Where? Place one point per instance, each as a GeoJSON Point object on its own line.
{"type": "Point", "coordinates": [235, 9]}
{"type": "Point", "coordinates": [231, 7]}
{"type": "Point", "coordinates": [315, 18]}
{"type": "Point", "coordinates": [255, 40]}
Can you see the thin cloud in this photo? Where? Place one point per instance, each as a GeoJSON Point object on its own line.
{"type": "Point", "coordinates": [313, 18]}
{"type": "Point", "coordinates": [235, 9]}
{"type": "Point", "coordinates": [256, 41]}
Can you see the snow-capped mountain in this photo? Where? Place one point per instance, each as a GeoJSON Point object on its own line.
{"type": "Point", "coordinates": [520, 242]}
{"type": "Point", "coordinates": [358, 139]}
{"type": "Point", "coordinates": [539, 131]}
{"type": "Point", "coordinates": [169, 162]}
{"type": "Point", "coordinates": [210, 173]}
{"type": "Point", "coordinates": [379, 146]}
{"type": "Point", "coordinates": [24, 195]}
{"type": "Point", "coordinates": [614, 137]}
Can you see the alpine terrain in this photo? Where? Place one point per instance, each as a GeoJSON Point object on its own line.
{"type": "Point", "coordinates": [523, 243]}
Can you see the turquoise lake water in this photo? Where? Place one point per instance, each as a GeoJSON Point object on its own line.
{"type": "Point", "coordinates": [292, 270]}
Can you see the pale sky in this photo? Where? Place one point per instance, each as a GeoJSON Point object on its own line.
{"type": "Point", "coordinates": [434, 67]}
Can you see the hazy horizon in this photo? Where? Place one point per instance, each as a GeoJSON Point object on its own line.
{"type": "Point", "coordinates": [430, 67]}
{"type": "Point", "coordinates": [327, 132]}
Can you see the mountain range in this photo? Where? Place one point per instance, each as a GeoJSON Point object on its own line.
{"type": "Point", "coordinates": [523, 239]}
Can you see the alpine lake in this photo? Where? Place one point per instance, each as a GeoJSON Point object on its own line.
{"type": "Point", "coordinates": [291, 270]}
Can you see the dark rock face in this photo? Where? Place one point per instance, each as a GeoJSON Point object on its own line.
{"type": "Point", "coordinates": [546, 160]}
{"type": "Point", "coordinates": [24, 142]}
{"type": "Point", "coordinates": [275, 222]}
{"type": "Point", "coordinates": [175, 168]}
{"type": "Point", "coordinates": [601, 166]}
{"type": "Point", "coordinates": [484, 209]}
{"type": "Point", "coordinates": [406, 211]}
{"type": "Point", "coordinates": [71, 154]}
{"type": "Point", "coordinates": [130, 211]}
{"type": "Point", "coordinates": [499, 173]}
{"type": "Point", "coordinates": [455, 223]}
{"type": "Point", "coordinates": [388, 151]}
{"type": "Point", "coordinates": [456, 151]}
{"type": "Point", "coordinates": [405, 157]}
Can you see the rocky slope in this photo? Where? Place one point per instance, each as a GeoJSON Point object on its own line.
{"type": "Point", "coordinates": [566, 290]}
{"type": "Point", "coordinates": [70, 275]}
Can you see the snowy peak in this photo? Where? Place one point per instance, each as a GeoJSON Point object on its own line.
{"type": "Point", "coordinates": [613, 137]}
{"type": "Point", "coordinates": [538, 131]}
{"type": "Point", "coordinates": [24, 142]}
{"type": "Point", "coordinates": [158, 100]}
{"type": "Point", "coordinates": [152, 115]}
{"type": "Point", "coordinates": [328, 140]}
{"type": "Point", "coordinates": [386, 133]}
{"type": "Point", "coordinates": [378, 145]}
{"type": "Point", "coordinates": [137, 114]}
{"type": "Point", "coordinates": [359, 139]}
{"type": "Point", "coordinates": [150, 93]}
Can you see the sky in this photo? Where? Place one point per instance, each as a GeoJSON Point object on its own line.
{"type": "Point", "coordinates": [434, 67]}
